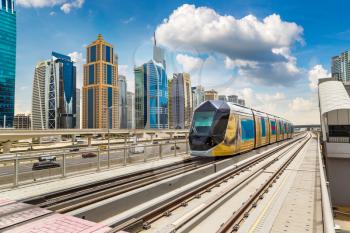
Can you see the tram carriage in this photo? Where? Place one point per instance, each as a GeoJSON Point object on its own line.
{"type": "Point", "coordinates": [220, 128]}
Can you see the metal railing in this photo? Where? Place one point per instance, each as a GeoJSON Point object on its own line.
{"type": "Point", "coordinates": [69, 163]}
{"type": "Point", "coordinates": [327, 213]}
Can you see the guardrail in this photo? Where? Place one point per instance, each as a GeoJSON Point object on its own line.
{"type": "Point", "coordinates": [104, 160]}
{"type": "Point", "coordinates": [328, 222]}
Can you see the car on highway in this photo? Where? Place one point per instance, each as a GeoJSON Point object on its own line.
{"type": "Point", "coordinates": [137, 148]}
{"type": "Point", "coordinates": [47, 158]}
{"type": "Point", "coordinates": [103, 147]}
{"type": "Point", "coordinates": [74, 149]}
{"type": "Point", "coordinates": [173, 148]}
{"type": "Point", "coordinates": [45, 165]}
{"type": "Point", "coordinates": [88, 155]}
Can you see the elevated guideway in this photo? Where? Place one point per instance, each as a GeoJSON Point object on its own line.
{"type": "Point", "coordinates": [279, 188]}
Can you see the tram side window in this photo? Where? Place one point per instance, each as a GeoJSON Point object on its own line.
{"type": "Point", "coordinates": [263, 127]}
{"type": "Point", "coordinates": [273, 127]}
{"type": "Point", "coordinates": [339, 130]}
{"type": "Point", "coordinates": [247, 129]}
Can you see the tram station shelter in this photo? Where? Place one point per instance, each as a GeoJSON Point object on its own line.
{"type": "Point", "coordinates": [334, 103]}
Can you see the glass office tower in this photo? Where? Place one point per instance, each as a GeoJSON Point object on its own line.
{"type": "Point", "coordinates": [151, 96]}
{"type": "Point", "coordinates": [7, 62]}
{"type": "Point", "coordinates": [54, 93]}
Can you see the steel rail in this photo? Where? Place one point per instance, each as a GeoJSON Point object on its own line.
{"type": "Point", "coordinates": [42, 200]}
{"type": "Point", "coordinates": [96, 196]}
{"type": "Point", "coordinates": [145, 220]}
{"type": "Point", "coordinates": [234, 222]}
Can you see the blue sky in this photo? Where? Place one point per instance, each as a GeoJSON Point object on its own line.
{"type": "Point", "coordinates": [269, 52]}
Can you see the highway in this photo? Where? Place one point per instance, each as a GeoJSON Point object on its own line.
{"type": "Point", "coordinates": [75, 162]}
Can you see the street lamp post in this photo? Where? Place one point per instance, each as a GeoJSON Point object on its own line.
{"type": "Point", "coordinates": [108, 133]}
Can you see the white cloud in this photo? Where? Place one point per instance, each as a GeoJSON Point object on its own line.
{"type": "Point", "coordinates": [271, 98]}
{"type": "Point", "coordinates": [202, 29]}
{"type": "Point", "coordinates": [238, 63]}
{"type": "Point", "coordinates": [52, 13]}
{"type": "Point", "coordinates": [259, 50]}
{"type": "Point", "coordinates": [300, 104]}
{"type": "Point", "coordinates": [39, 3]}
{"type": "Point", "coordinates": [76, 56]}
{"type": "Point", "coordinates": [129, 20]}
{"type": "Point", "coordinates": [65, 5]}
{"type": "Point", "coordinates": [317, 72]}
{"type": "Point", "coordinates": [189, 63]}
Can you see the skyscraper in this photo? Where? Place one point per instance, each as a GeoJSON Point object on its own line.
{"type": "Point", "coordinates": [7, 62]}
{"type": "Point", "coordinates": [131, 110]}
{"type": "Point", "coordinates": [232, 98]}
{"type": "Point", "coordinates": [197, 96]}
{"type": "Point", "coordinates": [54, 93]}
{"type": "Point", "coordinates": [180, 101]}
{"type": "Point", "coordinates": [211, 95]}
{"type": "Point", "coordinates": [223, 97]}
{"type": "Point", "coordinates": [123, 102]}
{"type": "Point", "coordinates": [78, 113]}
{"type": "Point", "coordinates": [151, 96]}
{"type": "Point", "coordinates": [158, 53]}
{"type": "Point", "coordinates": [100, 88]}
{"type": "Point", "coordinates": [241, 102]}
{"type": "Point", "coordinates": [340, 67]}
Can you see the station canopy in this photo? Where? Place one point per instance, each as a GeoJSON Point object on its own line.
{"type": "Point", "coordinates": [333, 96]}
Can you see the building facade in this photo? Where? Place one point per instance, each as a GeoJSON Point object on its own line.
{"type": "Point", "coordinates": [78, 108]}
{"type": "Point", "coordinates": [123, 102]}
{"type": "Point", "coordinates": [130, 110]}
{"type": "Point", "coordinates": [180, 101]}
{"type": "Point", "coordinates": [222, 97]}
{"type": "Point", "coordinates": [151, 96]}
{"type": "Point", "coordinates": [198, 94]}
{"type": "Point", "coordinates": [54, 94]}
{"type": "Point", "coordinates": [100, 87]}
{"type": "Point", "coordinates": [22, 121]}
{"type": "Point", "coordinates": [7, 62]}
{"type": "Point", "coordinates": [232, 99]}
{"type": "Point", "coordinates": [340, 67]}
{"type": "Point", "coordinates": [211, 95]}
{"type": "Point", "coordinates": [241, 102]}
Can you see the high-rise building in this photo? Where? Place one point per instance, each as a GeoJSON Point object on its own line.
{"type": "Point", "coordinates": [22, 121]}
{"type": "Point", "coordinates": [7, 62]}
{"type": "Point", "coordinates": [232, 99]}
{"type": "Point", "coordinates": [241, 102]}
{"type": "Point", "coordinates": [340, 67]}
{"type": "Point", "coordinates": [151, 96]}
{"type": "Point", "coordinates": [158, 53]}
{"type": "Point", "coordinates": [130, 110]}
{"type": "Point", "coordinates": [54, 94]}
{"type": "Point", "coordinates": [197, 96]}
{"type": "Point", "coordinates": [78, 113]}
{"type": "Point", "coordinates": [123, 102]}
{"type": "Point", "coordinates": [180, 101]}
{"type": "Point", "coordinates": [223, 97]}
{"type": "Point", "coordinates": [211, 95]}
{"type": "Point", "coordinates": [100, 88]}
{"type": "Point", "coordinates": [151, 92]}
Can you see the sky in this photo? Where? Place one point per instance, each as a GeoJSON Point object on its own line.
{"type": "Point", "coordinates": [271, 53]}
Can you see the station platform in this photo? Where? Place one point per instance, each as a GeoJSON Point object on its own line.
{"type": "Point", "coordinates": [294, 204]}
{"type": "Point", "coordinates": [44, 187]}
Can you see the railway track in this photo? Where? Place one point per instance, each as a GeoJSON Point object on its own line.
{"type": "Point", "coordinates": [78, 197]}
{"type": "Point", "coordinates": [145, 221]}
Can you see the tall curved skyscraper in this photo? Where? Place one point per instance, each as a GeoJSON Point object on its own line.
{"type": "Point", "coordinates": [54, 93]}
